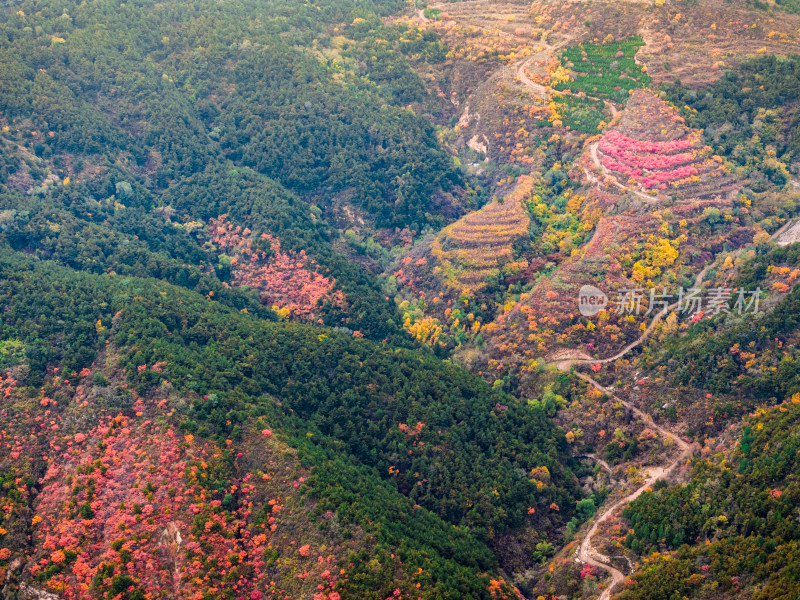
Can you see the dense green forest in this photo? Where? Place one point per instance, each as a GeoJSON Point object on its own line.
{"type": "Point", "coordinates": [219, 110]}
{"type": "Point", "coordinates": [204, 84]}
{"type": "Point", "coordinates": [213, 111]}
{"type": "Point", "coordinates": [751, 115]}
{"type": "Point", "coordinates": [353, 393]}
{"type": "Point", "coordinates": [334, 395]}
{"type": "Point", "coordinates": [734, 525]}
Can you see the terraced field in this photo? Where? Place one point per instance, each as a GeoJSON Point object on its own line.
{"type": "Point", "coordinates": [694, 42]}
{"type": "Point", "coordinates": [546, 317]}
{"type": "Point", "coordinates": [654, 149]}
{"type": "Point", "coordinates": [478, 245]}
{"type": "Point", "coordinates": [606, 71]}
{"type": "Point", "coordinates": [554, 298]}
{"type": "Point", "coordinates": [579, 114]}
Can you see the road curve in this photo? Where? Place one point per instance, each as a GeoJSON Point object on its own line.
{"type": "Point", "coordinates": [586, 552]}
{"type": "Point", "coordinates": [541, 90]}
{"type": "Point", "coordinates": [602, 168]}
{"type": "Point", "coordinates": [580, 358]}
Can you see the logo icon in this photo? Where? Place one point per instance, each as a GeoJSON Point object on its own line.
{"type": "Point", "coordinates": [591, 300]}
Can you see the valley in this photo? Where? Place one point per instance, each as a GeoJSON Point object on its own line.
{"type": "Point", "coordinates": [289, 300]}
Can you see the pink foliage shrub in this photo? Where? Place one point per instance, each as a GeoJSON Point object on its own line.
{"type": "Point", "coordinates": [651, 164]}
{"type": "Point", "coordinates": [285, 278]}
{"type": "Point", "coordinates": [629, 144]}
{"type": "Point", "coordinates": [657, 161]}
{"type": "Point", "coordinates": [132, 499]}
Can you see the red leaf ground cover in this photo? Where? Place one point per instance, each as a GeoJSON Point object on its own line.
{"type": "Point", "coordinates": [286, 279]}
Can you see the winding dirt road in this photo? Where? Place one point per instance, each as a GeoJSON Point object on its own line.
{"type": "Point", "coordinates": [537, 88]}
{"type": "Point", "coordinates": [599, 461]}
{"type": "Point", "coordinates": [542, 90]}
{"type": "Point", "coordinates": [565, 361]}
{"type": "Point", "coordinates": [602, 168]}
{"type": "Point", "coordinates": [586, 552]}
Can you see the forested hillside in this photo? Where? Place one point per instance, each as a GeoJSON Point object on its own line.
{"type": "Point", "coordinates": [350, 406]}
{"type": "Point", "coordinates": [289, 299]}
{"type": "Point", "coordinates": [733, 526]}
{"type": "Point", "coordinates": [167, 175]}
{"type": "Point", "coordinates": [167, 91]}
{"type": "Point", "coordinates": [752, 116]}
{"type": "Point", "coordinates": [161, 106]}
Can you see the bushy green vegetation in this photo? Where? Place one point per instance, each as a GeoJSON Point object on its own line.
{"type": "Point", "coordinates": [790, 6]}
{"type": "Point", "coordinates": [124, 130]}
{"type": "Point", "coordinates": [384, 55]}
{"type": "Point", "coordinates": [734, 524]}
{"type": "Point", "coordinates": [85, 226]}
{"type": "Point", "coordinates": [71, 227]}
{"type": "Point", "coordinates": [173, 124]}
{"type": "Point", "coordinates": [312, 134]}
{"type": "Point", "coordinates": [751, 116]}
{"type": "Point", "coordinates": [580, 114]}
{"type": "Point", "coordinates": [606, 70]}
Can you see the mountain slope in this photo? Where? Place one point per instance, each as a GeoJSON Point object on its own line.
{"type": "Point", "coordinates": [436, 434]}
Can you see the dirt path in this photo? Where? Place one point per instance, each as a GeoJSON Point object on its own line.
{"type": "Point", "coordinates": [586, 552]}
{"type": "Point", "coordinates": [537, 88]}
{"type": "Point", "coordinates": [565, 360]}
{"type": "Point", "coordinates": [542, 90]}
{"type": "Point", "coordinates": [598, 460]}
{"type": "Point", "coordinates": [601, 167]}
